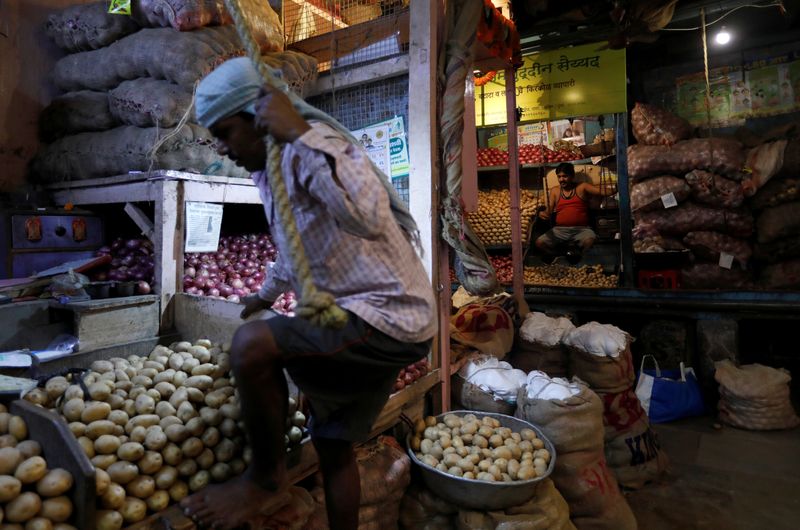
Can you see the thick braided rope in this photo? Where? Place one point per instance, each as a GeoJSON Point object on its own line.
{"type": "Point", "coordinates": [316, 306]}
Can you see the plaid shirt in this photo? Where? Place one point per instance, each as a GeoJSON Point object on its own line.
{"type": "Point", "coordinates": [355, 248]}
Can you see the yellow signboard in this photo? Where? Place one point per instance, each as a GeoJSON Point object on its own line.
{"type": "Point", "coordinates": [578, 81]}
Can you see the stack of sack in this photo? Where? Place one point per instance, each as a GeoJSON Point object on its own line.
{"type": "Point", "coordinates": [571, 416]}
{"type": "Point", "coordinates": [128, 85]}
{"type": "Point", "coordinates": [600, 355]}
{"type": "Point", "coordinates": [538, 344]}
{"type": "Point", "coordinates": [755, 397]}
{"type": "Point", "coordinates": [487, 384]}
{"type": "Point", "coordinates": [385, 473]}
{"type": "Point", "coordinates": [421, 509]}
{"type": "Point", "coordinates": [688, 193]}
{"type": "Point", "coordinates": [778, 233]}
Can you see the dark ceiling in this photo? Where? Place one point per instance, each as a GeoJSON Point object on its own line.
{"type": "Point", "coordinates": [546, 24]}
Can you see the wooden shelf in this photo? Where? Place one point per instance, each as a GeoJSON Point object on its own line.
{"type": "Point", "coordinates": [486, 169]}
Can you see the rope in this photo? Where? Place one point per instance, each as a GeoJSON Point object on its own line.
{"type": "Point", "coordinates": [708, 96]}
{"type": "Point", "coordinates": [315, 306]}
{"type": "Point", "coordinates": [151, 155]}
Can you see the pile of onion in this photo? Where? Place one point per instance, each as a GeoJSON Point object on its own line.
{"type": "Point", "coordinates": [131, 261]}
{"type": "Point", "coordinates": [411, 373]}
{"type": "Point", "coordinates": [285, 304]}
{"type": "Point", "coordinates": [237, 269]}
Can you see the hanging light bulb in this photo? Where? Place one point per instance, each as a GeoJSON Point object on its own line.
{"type": "Point", "coordinates": [722, 37]}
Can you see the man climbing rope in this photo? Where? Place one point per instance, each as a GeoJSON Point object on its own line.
{"type": "Point", "coordinates": [358, 241]}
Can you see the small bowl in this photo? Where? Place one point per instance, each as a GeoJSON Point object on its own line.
{"type": "Point", "coordinates": [477, 494]}
{"type": "Point", "coordinates": [99, 290]}
{"type": "Point", "coordinates": [126, 288]}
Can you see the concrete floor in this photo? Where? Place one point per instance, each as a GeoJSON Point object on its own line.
{"type": "Point", "coordinates": [723, 479]}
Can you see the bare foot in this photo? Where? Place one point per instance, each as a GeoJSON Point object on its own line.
{"type": "Point", "coordinates": [234, 504]}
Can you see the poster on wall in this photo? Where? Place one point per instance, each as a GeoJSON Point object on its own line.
{"type": "Point", "coordinates": [203, 223]}
{"type": "Point", "coordinates": [386, 145]}
{"type": "Point", "coordinates": [578, 81]}
{"type": "Point", "coordinates": [762, 88]}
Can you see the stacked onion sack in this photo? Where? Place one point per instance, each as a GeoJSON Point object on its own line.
{"type": "Point", "coordinates": [688, 193]}
{"type": "Point", "coordinates": [128, 86]}
{"type": "Point", "coordinates": [492, 221]}
{"type": "Point", "coordinates": [156, 428]}
{"type": "Point", "coordinates": [571, 416]}
{"type": "Point", "coordinates": [777, 245]}
{"type": "Point", "coordinates": [600, 355]}
{"type": "Point", "coordinates": [538, 344]}
{"type": "Point", "coordinates": [31, 493]}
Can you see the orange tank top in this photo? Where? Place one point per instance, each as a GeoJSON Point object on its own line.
{"type": "Point", "coordinates": [572, 211]}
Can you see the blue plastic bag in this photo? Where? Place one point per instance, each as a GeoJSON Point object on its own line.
{"type": "Point", "coordinates": [668, 395]}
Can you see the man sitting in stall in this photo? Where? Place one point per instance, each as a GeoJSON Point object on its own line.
{"type": "Point", "coordinates": [568, 209]}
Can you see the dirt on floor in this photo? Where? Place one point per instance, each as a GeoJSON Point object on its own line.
{"type": "Point", "coordinates": [723, 478]}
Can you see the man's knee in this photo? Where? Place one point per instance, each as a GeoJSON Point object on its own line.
{"type": "Point", "coordinates": [587, 243]}
{"type": "Point", "coordinates": [543, 243]}
{"type": "Point", "coordinates": [253, 347]}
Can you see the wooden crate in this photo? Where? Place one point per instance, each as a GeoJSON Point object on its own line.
{"type": "Point", "coordinates": [101, 323]}
{"type": "Point", "coordinates": [61, 449]}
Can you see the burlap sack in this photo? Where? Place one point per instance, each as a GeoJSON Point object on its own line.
{"type": "Point", "coordinates": [718, 155]}
{"type": "Point", "coordinates": [293, 516]}
{"type": "Point", "coordinates": [575, 427]}
{"type": "Point", "coordinates": [779, 222]}
{"type": "Point", "coordinates": [89, 26]}
{"type": "Point", "coordinates": [528, 356]}
{"type": "Point", "coordinates": [764, 162]}
{"type": "Point", "coordinates": [470, 397]}
{"type": "Point", "coordinates": [547, 510]}
{"type": "Point", "coordinates": [783, 275]}
{"type": "Point", "coordinates": [632, 449]}
{"type": "Point", "coordinates": [776, 192]}
{"type": "Point", "coordinates": [603, 374]}
{"type": "Point", "coordinates": [755, 397]}
{"type": "Point", "coordinates": [75, 112]}
{"type": "Point", "coordinates": [714, 190]}
{"type": "Point", "coordinates": [781, 250]}
{"type": "Point", "coordinates": [487, 328]}
{"type": "Point", "coordinates": [690, 217]}
{"type": "Point", "coordinates": [646, 195]}
{"type": "Point", "coordinates": [711, 276]}
{"type": "Point", "coordinates": [708, 246]}
{"type": "Point", "coordinates": [148, 102]}
{"type": "Point", "coordinates": [656, 126]}
{"type": "Point", "coordinates": [422, 510]}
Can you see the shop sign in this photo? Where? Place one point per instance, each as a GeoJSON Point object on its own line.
{"type": "Point", "coordinates": [766, 87]}
{"type": "Point", "coordinates": [579, 81]}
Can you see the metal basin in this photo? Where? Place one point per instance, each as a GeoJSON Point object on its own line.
{"type": "Point", "coordinates": [477, 494]}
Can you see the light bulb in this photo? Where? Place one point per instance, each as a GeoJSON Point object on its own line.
{"type": "Point", "coordinates": [722, 37]}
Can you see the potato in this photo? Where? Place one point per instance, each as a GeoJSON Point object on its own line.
{"type": "Point", "coordinates": [211, 437]}
{"type": "Point", "coordinates": [149, 373]}
{"type": "Point", "coordinates": [118, 417]}
{"type": "Point", "coordinates": [231, 411]}
{"type": "Point", "coordinates": [37, 396]}
{"type": "Point", "coordinates": [23, 508]}
{"type": "Point", "coordinates": [138, 434]}
{"type": "Point", "coordinates": [101, 366]}
{"type": "Point", "coordinates": [5, 417]}
{"type": "Point", "coordinates": [103, 461]}
{"type": "Point", "coordinates": [528, 434]}
{"type": "Point", "coordinates": [17, 428]}
{"type": "Point", "coordinates": [502, 452]}
{"type": "Point", "coordinates": [166, 477]}
{"type": "Point", "coordinates": [225, 450]}
{"type": "Point", "coordinates": [525, 446]}
{"type": "Point", "coordinates": [544, 454]}
{"type": "Point", "coordinates": [133, 510]}
{"type": "Point", "coordinates": [114, 497]}
{"type": "Point", "coordinates": [196, 426]}
{"type": "Point", "coordinates": [99, 428]}
{"type": "Point", "coordinates": [455, 471]}
{"type": "Point", "coordinates": [56, 386]}
{"type": "Point", "coordinates": [141, 487]}
{"type": "Point", "coordinates": [169, 420]}
{"type": "Point", "coordinates": [526, 472]}
{"type": "Point", "coordinates": [145, 404]}
{"type": "Point", "coordinates": [144, 420]}
{"type": "Point", "coordinates": [200, 353]}
{"type": "Point", "coordinates": [172, 454]}
{"type": "Point", "coordinates": [7, 440]}
{"type": "Point", "coordinates": [122, 472]}
{"type": "Point", "coordinates": [157, 501]}
{"type": "Point", "coordinates": [39, 523]}
{"type": "Point", "coordinates": [480, 441]}
{"type": "Point", "coordinates": [187, 467]}
{"type": "Point", "coordinates": [10, 488]}
{"type": "Point", "coordinates": [237, 466]}
{"type": "Point", "coordinates": [131, 451]}
{"type": "Point", "coordinates": [156, 439]}
{"type": "Point", "coordinates": [108, 520]}
{"type": "Point", "coordinates": [57, 509]}
{"type": "Point", "coordinates": [211, 416]}
{"type": "Point", "coordinates": [179, 377]}
{"type": "Point", "coordinates": [442, 467]}
{"type": "Point", "coordinates": [56, 482]}
{"type": "Point", "coordinates": [141, 381]}
{"type": "Point", "coordinates": [189, 364]}
{"type": "Point", "coordinates": [31, 470]}
{"type": "Point", "coordinates": [465, 464]}
{"type": "Point", "coordinates": [101, 481]}
{"type": "Point", "coordinates": [164, 377]}
{"type": "Point", "coordinates": [99, 391]}
{"type": "Point", "coordinates": [186, 412]}
{"type": "Point", "coordinates": [486, 477]}
{"type": "Point", "coordinates": [94, 411]}
{"type": "Point", "coordinates": [150, 463]}
{"type": "Point", "coordinates": [106, 444]}
{"type": "Point", "coordinates": [220, 472]}
{"type": "Point", "coordinates": [10, 458]}
{"type": "Point", "coordinates": [176, 433]}
{"type": "Point", "coordinates": [178, 491]}
{"type": "Point", "coordinates": [228, 427]}
{"type": "Point", "coordinates": [165, 389]}
{"type": "Point", "coordinates": [430, 460]}
{"type": "Point", "coordinates": [87, 445]}
{"type": "Point", "coordinates": [199, 481]}
{"type": "Point", "coordinates": [129, 407]}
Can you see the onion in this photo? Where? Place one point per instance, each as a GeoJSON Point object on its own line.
{"type": "Point", "coordinates": [248, 272]}
{"type": "Point", "coordinates": [239, 292]}
{"type": "Point", "coordinates": [116, 244]}
{"type": "Point", "coordinates": [213, 291]}
{"type": "Point", "coordinates": [249, 282]}
{"type": "Point", "coordinates": [200, 282]}
{"type": "Point", "coordinates": [235, 247]}
{"type": "Point", "coordinates": [190, 271]}
{"type": "Point", "coordinates": [143, 287]}
{"type": "Point", "coordinates": [188, 281]}
{"type": "Point", "coordinates": [203, 273]}
{"type": "Point", "coordinates": [225, 289]}
{"type": "Point", "coordinates": [194, 262]}
{"type": "Point", "coordinates": [213, 267]}
{"type": "Point", "coordinates": [258, 276]}
{"type": "Point", "coordinates": [104, 250]}
{"type": "Point", "coordinates": [133, 243]}
{"type": "Point", "coordinates": [233, 298]}
{"type": "Point", "coordinates": [116, 262]}
{"type": "Point", "coordinates": [192, 290]}
{"type": "Point", "coordinates": [237, 283]}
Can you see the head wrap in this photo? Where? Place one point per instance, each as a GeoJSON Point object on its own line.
{"type": "Point", "coordinates": [231, 88]}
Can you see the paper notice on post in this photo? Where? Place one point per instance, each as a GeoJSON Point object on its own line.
{"type": "Point", "coordinates": [203, 222]}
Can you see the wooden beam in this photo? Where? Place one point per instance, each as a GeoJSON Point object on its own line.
{"type": "Point", "coordinates": [131, 192]}
{"type": "Point", "coordinates": [141, 220]}
{"type": "Point", "coordinates": [393, 67]}
{"type": "Point", "coordinates": [329, 46]}
{"type": "Point", "coordinates": [168, 245]}
{"type": "Point", "coordinates": [222, 193]}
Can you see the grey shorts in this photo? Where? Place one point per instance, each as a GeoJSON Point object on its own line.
{"type": "Point", "coordinates": [347, 375]}
{"type": "Point", "coordinates": [560, 235]}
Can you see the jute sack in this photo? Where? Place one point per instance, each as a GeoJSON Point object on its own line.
{"type": "Point", "coordinates": [538, 345]}
{"type": "Point", "coordinates": [631, 447]}
{"type": "Point", "coordinates": [422, 510]}
{"type": "Point", "coordinates": [600, 355]}
{"type": "Point", "coordinates": [471, 397]}
{"type": "Point", "coordinates": [575, 427]}
{"type": "Point", "coordinates": [547, 510]}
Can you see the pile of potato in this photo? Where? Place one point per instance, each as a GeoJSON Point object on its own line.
{"type": "Point", "coordinates": [492, 222]}
{"type": "Point", "coordinates": [479, 449]}
{"type": "Point", "coordinates": [30, 494]}
{"type": "Point", "coordinates": [157, 428]}
{"type": "Point", "coordinates": [564, 276]}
